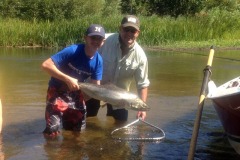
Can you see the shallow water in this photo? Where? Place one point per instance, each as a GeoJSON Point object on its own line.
{"type": "Point", "coordinates": [176, 79]}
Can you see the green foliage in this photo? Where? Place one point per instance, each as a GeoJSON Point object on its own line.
{"type": "Point", "coordinates": [111, 8]}
{"type": "Point", "coordinates": [214, 26]}
{"type": "Point", "coordinates": [229, 5]}
{"type": "Point", "coordinates": [50, 24]}
{"type": "Point", "coordinates": [136, 7]}
{"type": "Point", "coordinates": [71, 9]}
{"type": "Point", "coordinates": [15, 32]}
{"type": "Point", "coordinates": [50, 9]}
{"type": "Point", "coordinates": [175, 8]}
{"type": "Point", "coordinates": [161, 7]}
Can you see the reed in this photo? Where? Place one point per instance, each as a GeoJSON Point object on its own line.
{"type": "Point", "coordinates": [216, 27]}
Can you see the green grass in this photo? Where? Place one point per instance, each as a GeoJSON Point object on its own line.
{"type": "Point", "coordinates": [216, 27]}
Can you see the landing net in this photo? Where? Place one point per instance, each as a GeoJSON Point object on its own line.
{"type": "Point", "coordinates": [138, 130]}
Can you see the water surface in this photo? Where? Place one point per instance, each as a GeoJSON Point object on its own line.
{"type": "Point", "coordinates": [176, 79]}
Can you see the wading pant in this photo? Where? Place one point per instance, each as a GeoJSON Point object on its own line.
{"type": "Point", "coordinates": [66, 107]}
{"type": "Point", "coordinates": [93, 106]}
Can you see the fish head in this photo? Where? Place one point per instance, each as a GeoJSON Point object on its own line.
{"type": "Point", "coordinates": [138, 105]}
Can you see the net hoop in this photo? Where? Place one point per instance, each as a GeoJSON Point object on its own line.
{"type": "Point", "coordinates": [159, 138]}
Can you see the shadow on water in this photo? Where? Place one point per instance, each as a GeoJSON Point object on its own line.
{"type": "Point", "coordinates": [25, 141]}
{"type": "Point", "coordinates": [212, 140]}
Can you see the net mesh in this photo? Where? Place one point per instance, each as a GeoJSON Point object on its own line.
{"type": "Point", "coordinates": [139, 130]}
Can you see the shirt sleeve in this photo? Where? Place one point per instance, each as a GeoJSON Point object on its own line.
{"type": "Point", "coordinates": [141, 74]}
{"type": "Point", "coordinates": [63, 56]}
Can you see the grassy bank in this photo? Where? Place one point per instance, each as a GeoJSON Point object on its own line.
{"type": "Point", "coordinates": [217, 27]}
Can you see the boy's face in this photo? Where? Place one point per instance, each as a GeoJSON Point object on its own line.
{"type": "Point", "coordinates": [94, 42]}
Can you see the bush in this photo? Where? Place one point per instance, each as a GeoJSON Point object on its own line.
{"type": "Point", "coordinates": [50, 9]}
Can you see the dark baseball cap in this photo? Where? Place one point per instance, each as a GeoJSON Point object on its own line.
{"type": "Point", "coordinates": [130, 21]}
{"type": "Point", "coordinates": [96, 30]}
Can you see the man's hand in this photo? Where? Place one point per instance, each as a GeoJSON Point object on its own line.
{"type": "Point", "coordinates": [143, 95]}
{"type": "Point", "coordinates": [141, 115]}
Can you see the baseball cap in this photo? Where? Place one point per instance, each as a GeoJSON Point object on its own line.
{"type": "Point", "coordinates": [95, 30]}
{"type": "Point", "coordinates": [130, 21]}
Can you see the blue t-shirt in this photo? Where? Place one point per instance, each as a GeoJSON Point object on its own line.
{"type": "Point", "coordinates": [73, 61]}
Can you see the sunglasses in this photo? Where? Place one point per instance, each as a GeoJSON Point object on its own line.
{"type": "Point", "coordinates": [129, 29]}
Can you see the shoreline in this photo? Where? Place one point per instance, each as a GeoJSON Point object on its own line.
{"type": "Point", "coordinates": [156, 48]}
{"type": "Point", "coordinates": [147, 48]}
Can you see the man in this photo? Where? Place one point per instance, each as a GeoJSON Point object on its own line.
{"type": "Point", "coordinates": [123, 60]}
{"type": "Point", "coordinates": [73, 64]}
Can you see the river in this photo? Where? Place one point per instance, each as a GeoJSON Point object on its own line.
{"type": "Point", "coordinates": [176, 78]}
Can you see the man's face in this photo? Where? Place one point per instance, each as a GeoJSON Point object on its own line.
{"type": "Point", "coordinates": [128, 35]}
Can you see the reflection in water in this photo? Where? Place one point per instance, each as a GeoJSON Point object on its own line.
{"type": "Point", "coordinates": [1, 144]}
{"type": "Point", "coordinates": [173, 96]}
{"type": "Point", "coordinates": [0, 116]}
{"type": "Point", "coordinates": [1, 149]}
{"type": "Point", "coordinates": [90, 144]}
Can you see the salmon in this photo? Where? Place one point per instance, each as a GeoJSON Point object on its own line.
{"type": "Point", "coordinates": [114, 95]}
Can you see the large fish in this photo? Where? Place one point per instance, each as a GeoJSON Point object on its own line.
{"type": "Point", "coordinates": [114, 95]}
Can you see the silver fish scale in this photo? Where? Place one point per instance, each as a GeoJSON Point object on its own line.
{"type": "Point", "coordinates": [114, 95]}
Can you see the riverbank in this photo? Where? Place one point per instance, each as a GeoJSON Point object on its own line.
{"type": "Point", "coordinates": [156, 48]}
{"type": "Point", "coordinates": [152, 48]}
